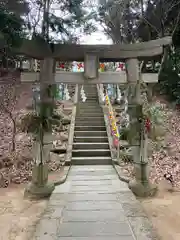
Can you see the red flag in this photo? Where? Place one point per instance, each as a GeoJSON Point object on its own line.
{"type": "Point", "coordinates": [121, 66]}
{"type": "Point", "coordinates": [61, 65]}
{"type": "Point", "coordinates": [148, 125]}
{"type": "Point", "coordinates": [80, 65]}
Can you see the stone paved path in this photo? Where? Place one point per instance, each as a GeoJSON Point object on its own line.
{"type": "Point", "coordinates": [93, 204]}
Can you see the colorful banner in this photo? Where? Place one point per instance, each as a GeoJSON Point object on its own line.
{"type": "Point", "coordinates": [112, 121]}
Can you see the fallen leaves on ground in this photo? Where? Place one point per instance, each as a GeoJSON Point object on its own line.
{"type": "Point", "coordinates": [16, 167]}
{"type": "Point", "coordinates": [165, 157]}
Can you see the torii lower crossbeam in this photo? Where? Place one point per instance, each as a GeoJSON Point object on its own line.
{"type": "Point", "coordinates": [78, 78]}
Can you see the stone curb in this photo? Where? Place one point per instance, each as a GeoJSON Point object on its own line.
{"type": "Point", "coordinates": [120, 174]}
{"type": "Point", "coordinates": [63, 179]}
{"type": "Point", "coordinates": [110, 140]}
{"type": "Point", "coordinates": [71, 131]}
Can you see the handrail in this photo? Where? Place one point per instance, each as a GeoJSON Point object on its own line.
{"type": "Point", "coordinates": [71, 129]}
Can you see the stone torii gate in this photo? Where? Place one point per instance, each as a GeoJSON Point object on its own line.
{"type": "Point", "coordinates": [91, 55]}
{"type": "Point", "coordinates": [131, 54]}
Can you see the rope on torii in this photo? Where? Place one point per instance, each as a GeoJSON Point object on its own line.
{"type": "Point", "coordinates": [67, 96]}
{"type": "Point", "coordinates": [83, 95]}
{"type": "Point", "coordinates": [119, 95]}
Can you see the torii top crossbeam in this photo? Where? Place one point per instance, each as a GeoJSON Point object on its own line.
{"type": "Point", "coordinates": [39, 49]}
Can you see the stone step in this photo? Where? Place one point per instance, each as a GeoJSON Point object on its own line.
{"type": "Point", "coordinates": [90, 145]}
{"type": "Point", "coordinates": [89, 114]}
{"type": "Point", "coordinates": [90, 122]}
{"type": "Point", "coordinates": [90, 88]}
{"type": "Point", "coordinates": [90, 100]}
{"type": "Point", "coordinates": [88, 139]}
{"type": "Point", "coordinates": [93, 92]}
{"type": "Point", "coordinates": [89, 106]}
{"type": "Point", "coordinates": [90, 133]}
{"type": "Point", "coordinates": [90, 91]}
{"type": "Point", "coordinates": [91, 160]}
{"type": "Point", "coordinates": [91, 153]}
{"type": "Point", "coordinates": [100, 122]}
{"type": "Point", "coordinates": [98, 118]}
{"type": "Point", "coordinates": [91, 95]}
{"type": "Point", "coordinates": [89, 110]}
{"type": "Point", "coordinates": [96, 103]}
{"type": "Point", "coordinates": [90, 128]}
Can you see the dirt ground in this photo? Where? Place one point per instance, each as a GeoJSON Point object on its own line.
{"type": "Point", "coordinates": [164, 212]}
{"type": "Point", "coordinates": [18, 217]}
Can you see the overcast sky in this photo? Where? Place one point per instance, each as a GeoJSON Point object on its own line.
{"type": "Point", "coordinates": [95, 38]}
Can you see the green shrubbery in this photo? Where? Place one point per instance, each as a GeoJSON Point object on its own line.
{"type": "Point", "coordinates": [169, 78]}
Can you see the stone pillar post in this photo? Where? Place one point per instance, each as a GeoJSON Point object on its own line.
{"type": "Point", "coordinates": [39, 187]}
{"type": "Point", "coordinates": [47, 75]}
{"type": "Point", "coordinates": [140, 186]}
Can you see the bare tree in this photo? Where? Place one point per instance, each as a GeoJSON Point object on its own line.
{"type": "Point", "coordinates": [138, 20]}
{"type": "Point", "coordinates": [9, 94]}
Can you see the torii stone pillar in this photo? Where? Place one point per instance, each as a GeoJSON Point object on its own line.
{"type": "Point", "coordinates": [141, 185]}
{"type": "Point", "coordinates": [39, 186]}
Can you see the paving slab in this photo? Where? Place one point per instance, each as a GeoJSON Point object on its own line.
{"type": "Point", "coordinates": [101, 188]}
{"type": "Point", "coordinates": [94, 205]}
{"type": "Point", "coordinates": [94, 215]}
{"type": "Point", "coordinates": [90, 168]}
{"type": "Point", "coordinates": [92, 178]}
{"type": "Point", "coordinates": [93, 183]}
{"type": "Point", "coordinates": [95, 238]}
{"type": "Point", "coordinates": [63, 188]}
{"type": "Point", "coordinates": [81, 197]}
{"type": "Point", "coordinates": [92, 229]}
{"type": "Point", "coordinates": [92, 173]}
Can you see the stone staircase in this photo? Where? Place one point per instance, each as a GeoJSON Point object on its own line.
{"type": "Point", "coordinates": [90, 143]}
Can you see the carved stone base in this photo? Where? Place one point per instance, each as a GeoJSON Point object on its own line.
{"type": "Point", "coordinates": [39, 187]}
{"type": "Point", "coordinates": [33, 191]}
{"type": "Point", "coordinates": [143, 189]}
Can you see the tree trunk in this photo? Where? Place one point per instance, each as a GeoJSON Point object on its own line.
{"type": "Point", "coordinates": [13, 148]}
{"type": "Point", "coordinates": [13, 135]}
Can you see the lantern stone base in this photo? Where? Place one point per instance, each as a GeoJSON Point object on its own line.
{"type": "Point", "coordinates": [141, 189]}
{"type": "Point", "coordinates": [39, 188]}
